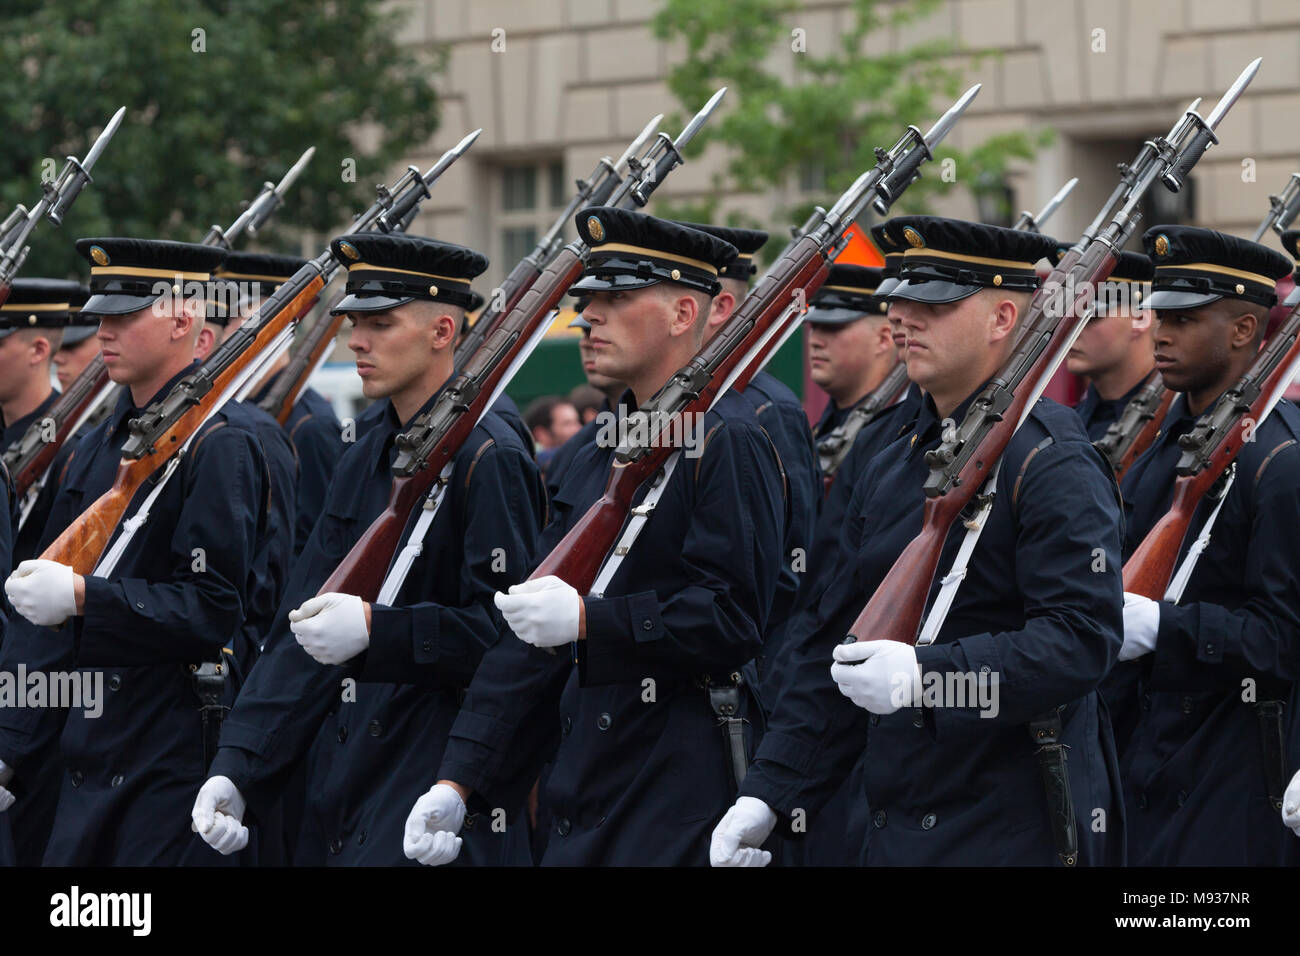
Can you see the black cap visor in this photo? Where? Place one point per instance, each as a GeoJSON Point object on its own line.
{"type": "Point", "coordinates": [76, 334]}
{"type": "Point", "coordinates": [361, 302]}
{"type": "Point", "coordinates": [1178, 299]}
{"type": "Point", "coordinates": [117, 303]}
{"type": "Point", "coordinates": [933, 291]}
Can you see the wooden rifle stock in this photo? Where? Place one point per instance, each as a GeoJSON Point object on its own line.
{"type": "Point", "coordinates": [83, 542]}
{"type": "Point", "coordinates": [580, 554]}
{"type": "Point", "coordinates": [1151, 567]}
{"type": "Point", "coordinates": [895, 610]}
{"type": "Point", "coordinates": [324, 336]}
{"type": "Point", "coordinates": [363, 569]}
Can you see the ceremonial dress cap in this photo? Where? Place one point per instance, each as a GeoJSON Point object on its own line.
{"type": "Point", "coordinates": [1129, 284]}
{"type": "Point", "coordinates": [385, 271]}
{"type": "Point", "coordinates": [945, 260]}
{"type": "Point", "coordinates": [630, 250]}
{"type": "Point", "coordinates": [127, 275]}
{"type": "Point", "coordinates": [746, 241]}
{"type": "Point", "coordinates": [1291, 242]}
{"type": "Point", "coordinates": [37, 303]}
{"type": "Point", "coordinates": [80, 327]}
{"type": "Point", "coordinates": [850, 293]}
{"type": "Point", "coordinates": [1196, 266]}
{"type": "Point", "coordinates": [245, 276]}
{"type": "Point", "coordinates": [893, 254]}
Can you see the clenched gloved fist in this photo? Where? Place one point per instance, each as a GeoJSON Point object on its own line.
{"type": "Point", "coordinates": [218, 816]}
{"type": "Point", "coordinates": [432, 825]}
{"type": "Point", "coordinates": [884, 681]}
{"type": "Point", "coordinates": [331, 627]}
{"type": "Point", "coordinates": [1291, 805]}
{"type": "Point", "coordinates": [6, 796]}
{"type": "Point", "coordinates": [543, 613]}
{"type": "Point", "coordinates": [740, 833]}
{"type": "Point", "coordinates": [1141, 626]}
{"type": "Point", "coordinates": [43, 592]}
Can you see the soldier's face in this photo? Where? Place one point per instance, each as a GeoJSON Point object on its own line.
{"type": "Point", "coordinates": [1194, 347]}
{"type": "Point", "coordinates": [952, 342]}
{"type": "Point", "coordinates": [394, 348]}
{"type": "Point", "coordinates": [137, 344]}
{"type": "Point", "coordinates": [17, 361]}
{"type": "Point", "coordinates": [629, 330]}
{"type": "Point", "coordinates": [588, 355]}
{"type": "Point", "coordinates": [71, 361]}
{"type": "Point", "coordinates": [1105, 341]}
{"type": "Point", "coordinates": [841, 355]}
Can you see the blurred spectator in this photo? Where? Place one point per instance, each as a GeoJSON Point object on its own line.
{"type": "Point", "coordinates": [552, 420]}
{"type": "Point", "coordinates": [589, 401]}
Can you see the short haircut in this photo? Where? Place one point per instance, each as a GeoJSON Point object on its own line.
{"type": "Point", "coordinates": [540, 411]}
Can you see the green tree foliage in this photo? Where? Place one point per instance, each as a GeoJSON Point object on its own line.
{"type": "Point", "coordinates": [210, 115]}
{"type": "Point", "coordinates": [819, 130]}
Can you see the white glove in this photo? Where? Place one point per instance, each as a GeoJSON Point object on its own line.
{"type": "Point", "coordinates": [331, 627]}
{"type": "Point", "coordinates": [1141, 626]}
{"type": "Point", "coordinates": [885, 681]}
{"type": "Point", "coordinates": [432, 825]}
{"type": "Point", "coordinates": [6, 797]}
{"type": "Point", "coordinates": [1291, 805]}
{"type": "Point", "coordinates": [740, 833]}
{"type": "Point", "coordinates": [543, 613]}
{"type": "Point", "coordinates": [218, 814]}
{"type": "Point", "coordinates": [43, 592]}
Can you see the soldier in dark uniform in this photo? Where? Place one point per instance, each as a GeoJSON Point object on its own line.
{"type": "Point", "coordinates": [174, 599]}
{"type": "Point", "coordinates": [313, 430]}
{"type": "Point", "coordinates": [643, 766]}
{"type": "Point", "coordinates": [403, 666]}
{"type": "Point", "coordinates": [32, 320]}
{"type": "Point", "coordinates": [1202, 775]}
{"type": "Point", "coordinates": [849, 351]}
{"type": "Point", "coordinates": [951, 780]}
{"type": "Point", "coordinates": [781, 415]}
{"type": "Point", "coordinates": [1115, 350]}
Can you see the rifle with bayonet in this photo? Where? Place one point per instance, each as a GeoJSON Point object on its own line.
{"type": "Point", "coordinates": [164, 429]}
{"type": "Point", "coordinates": [30, 458]}
{"type": "Point", "coordinates": [1208, 459]}
{"type": "Point", "coordinates": [736, 350]}
{"type": "Point", "coordinates": [427, 450]}
{"type": "Point", "coordinates": [595, 190]}
{"type": "Point", "coordinates": [834, 447]}
{"type": "Point", "coordinates": [56, 198]}
{"type": "Point", "coordinates": [966, 457]}
{"type": "Point", "coordinates": [1139, 424]}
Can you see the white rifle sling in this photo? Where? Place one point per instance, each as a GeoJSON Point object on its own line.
{"type": "Point", "coordinates": [401, 566]}
{"type": "Point", "coordinates": [952, 580]}
{"type": "Point", "coordinates": [1178, 585]}
{"type": "Point", "coordinates": [639, 516]}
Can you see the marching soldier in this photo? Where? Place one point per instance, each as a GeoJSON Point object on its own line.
{"type": "Point", "coordinates": [79, 347]}
{"type": "Point", "coordinates": [173, 600]}
{"type": "Point", "coordinates": [313, 430]}
{"type": "Point", "coordinates": [1035, 624]}
{"type": "Point", "coordinates": [377, 686]}
{"type": "Point", "coordinates": [31, 329]}
{"type": "Point", "coordinates": [850, 349]}
{"type": "Point", "coordinates": [645, 762]}
{"type": "Point", "coordinates": [1203, 773]}
{"type": "Point", "coordinates": [1114, 350]}
{"type": "Point", "coordinates": [781, 415]}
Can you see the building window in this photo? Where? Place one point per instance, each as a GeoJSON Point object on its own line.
{"type": "Point", "coordinates": [527, 199]}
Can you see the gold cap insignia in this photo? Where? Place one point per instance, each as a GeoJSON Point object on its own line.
{"type": "Point", "coordinates": [997, 279]}
{"type": "Point", "coordinates": [595, 228]}
{"type": "Point", "coordinates": [349, 250]}
{"type": "Point", "coordinates": [433, 290]}
{"type": "Point", "coordinates": [1162, 245]}
{"type": "Point", "coordinates": [1240, 288]}
{"type": "Point", "coordinates": [31, 320]}
{"type": "Point", "coordinates": [884, 307]}
{"type": "Point", "coordinates": [98, 254]}
{"type": "Point", "coordinates": [676, 274]}
{"type": "Point", "coordinates": [913, 238]}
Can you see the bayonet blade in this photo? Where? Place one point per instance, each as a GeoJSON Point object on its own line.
{"type": "Point", "coordinates": [698, 121]}
{"type": "Point", "coordinates": [1054, 203]}
{"type": "Point", "coordinates": [451, 156]}
{"type": "Point", "coordinates": [945, 122]}
{"type": "Point", "coordinates": [102, 142]}
{"type": "Point", "coordinates": [295, 171]}
{"type": "Point", "coordinates": [1233, 94]}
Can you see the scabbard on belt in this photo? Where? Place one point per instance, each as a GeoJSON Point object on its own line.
{"type": "Point", "coordinates": [210, 684]}
{"type": "Point", "coordinates": [724, 699]}
{"type": "Point", "coordinates": [1045, 731]}
{"type": "Point", "coordinates": [1273, 745]}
